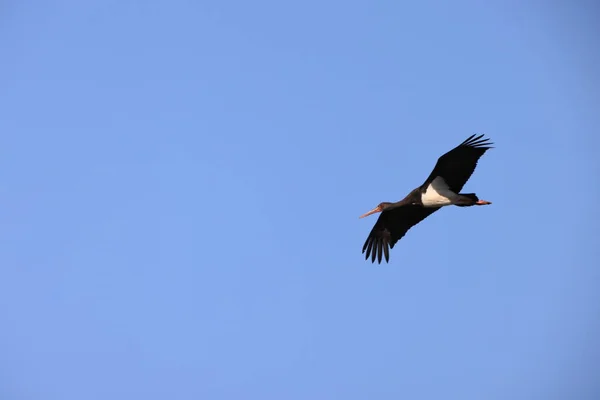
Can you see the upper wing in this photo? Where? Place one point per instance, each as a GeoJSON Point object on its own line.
{"type": "Point", "coordinates": [390, 227]}
{"type": "Point", "coordinates": [457, 165]}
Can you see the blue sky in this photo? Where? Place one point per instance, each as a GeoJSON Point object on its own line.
{"type": "Point", "coordinates": [181, 185]}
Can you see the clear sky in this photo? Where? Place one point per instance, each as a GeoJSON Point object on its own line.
{"type": "Point", "coordinates": [181, 184]}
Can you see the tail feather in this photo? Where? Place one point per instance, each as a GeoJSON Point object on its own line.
{"type": "Point", "coordinates": [471, 196]}
{"type": "Point", "coordinates": [469, 199]}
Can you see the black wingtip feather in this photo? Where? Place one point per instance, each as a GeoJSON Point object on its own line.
{"type": "Point", "coordinates": [377, 250]}
{"type": "Point", "coordinates": [368, 246]}
{"type": "Point", "coordinates": [477, 142]}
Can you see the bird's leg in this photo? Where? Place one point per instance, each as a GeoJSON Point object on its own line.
{"type": "Point", "coordinates": [483, 202]}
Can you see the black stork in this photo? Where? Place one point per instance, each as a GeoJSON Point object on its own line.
{"type": "Point", "coordinates": [442, 188]}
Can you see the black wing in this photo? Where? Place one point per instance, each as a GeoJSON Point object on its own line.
{"type": "Point", "coordinates": [457, 165]}
{"type": "Point", "coordinates": [390, 227]}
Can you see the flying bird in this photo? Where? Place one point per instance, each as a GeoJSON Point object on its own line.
{"type": "Point", "coordinates": [442, 188]}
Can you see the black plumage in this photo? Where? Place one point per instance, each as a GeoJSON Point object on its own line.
{"type": "Point", "coordinates": [448, 177]}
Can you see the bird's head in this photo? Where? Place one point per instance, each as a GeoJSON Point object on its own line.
{"type": "Point", "coordinates": [380, 207]}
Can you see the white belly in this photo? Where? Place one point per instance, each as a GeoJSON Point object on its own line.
{"type": "Point", "coordinates": [438, 194]}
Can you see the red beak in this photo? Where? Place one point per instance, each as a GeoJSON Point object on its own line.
{"type": "Point", "coordinates": [373, 211]}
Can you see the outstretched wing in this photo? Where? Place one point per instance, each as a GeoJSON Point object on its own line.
{"type": "Point", "coordinates": [457, 165]}
{"type": "Point", "coordinates": [390, 227]}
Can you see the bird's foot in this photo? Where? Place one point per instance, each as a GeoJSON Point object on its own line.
{"type": "Point", "coordinates": [483, 203]}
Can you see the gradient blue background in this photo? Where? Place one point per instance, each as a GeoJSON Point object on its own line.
{"type": "Point", "coordinates": [181, 183]}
